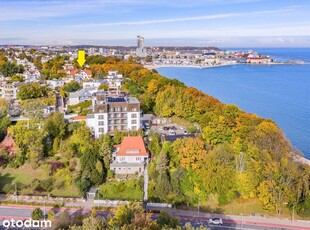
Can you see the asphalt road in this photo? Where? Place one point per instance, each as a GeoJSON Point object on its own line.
{"type": "Point", "coordinates": [21, 213]}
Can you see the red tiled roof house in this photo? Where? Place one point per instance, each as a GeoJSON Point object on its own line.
{"type": "Point", "coordinates": [130, 156]}
{"type": "Point", "coordinates": [8, 144]}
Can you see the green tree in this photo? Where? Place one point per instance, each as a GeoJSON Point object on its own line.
{"type": "Point", "coordinates": [9, 69]}
{"type": "Point", "coordinates": [31, 91]}
{"type": "Point", "coordinates": [166, 221]}
{"type": "Point", "coordinates": [37, 214]}
{"type": "Point", "coordinates": [17, 78]}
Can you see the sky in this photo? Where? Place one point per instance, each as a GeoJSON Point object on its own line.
{"type": "Point", "coordinates": [221, 23]}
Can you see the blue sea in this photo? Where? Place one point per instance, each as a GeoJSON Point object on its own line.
{"type": "Point", "coordinates": [279, 92]}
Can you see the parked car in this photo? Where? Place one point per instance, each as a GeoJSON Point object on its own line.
{"type": "Point", "coordinates": [165, 128]}
{"type": "Point", "coordinates": [185, 132]}
{"type": "Point", "coordinates": [181, 128]}
{"type": "Point", "coordinates": [171, 132]}
{"type": "Point", "coordinates": [216, 221]}
{"type": "Point", "coordinates": [173, 127]}
{"type": "Point", "coordinates": [147, 125]}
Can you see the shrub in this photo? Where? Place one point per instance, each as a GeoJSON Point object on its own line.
{"type": "Point", "coordinates": [51, 215]}
{"type": "Point", "coordinates": [37, 214]}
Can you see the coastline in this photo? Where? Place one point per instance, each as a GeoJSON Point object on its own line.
{"type": "Point", "coordinates": [301, 159]}
{"type": "Point", "coordinates": [184, 66]}
{"type": "Point", "coordinates": [154, 66]}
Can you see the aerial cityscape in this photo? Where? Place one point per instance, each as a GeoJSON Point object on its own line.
{"type": "Point", "coordinates": [154, 115]}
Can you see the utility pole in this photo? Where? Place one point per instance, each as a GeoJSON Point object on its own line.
{"type": "Point", "coordinates": [15, 193]}
{"type": "Point", "coordinates": [293, 213]}
{"type": "Point", "coordinates": [44, 208]}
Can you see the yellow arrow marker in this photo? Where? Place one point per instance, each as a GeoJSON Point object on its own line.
{"type": "Point", "coordinates": [81, 57]}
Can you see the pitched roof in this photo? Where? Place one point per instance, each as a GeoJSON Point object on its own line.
{"type": "Point", "coordinates": [74, 72]}
{"type": "Point", "coordinates": [81, 93]}
{"type": "Point", "coordinates": [132, 146]}
{"type": "Point", "coordinates": [88, 72]}
{"type": "Point", "coordinates": [8, 144]}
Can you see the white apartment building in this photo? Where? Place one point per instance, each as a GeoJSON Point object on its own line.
{"type": "Point", "coordinates": [113, 112]}
{"type": "Point", "coordinates": [9, 91]}
{"type": "Point", "coordinates": [93, 84]}
{"type": "Point", "coordinates": [114, 79]}
{"type": "Point", "coordinates": [55, 83]}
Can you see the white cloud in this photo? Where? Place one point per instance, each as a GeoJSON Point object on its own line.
{"type": "Point", "coordinates": [184, 19]}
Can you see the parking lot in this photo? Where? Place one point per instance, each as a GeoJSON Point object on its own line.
{"type": "Point", "coordinates": [169, 129]}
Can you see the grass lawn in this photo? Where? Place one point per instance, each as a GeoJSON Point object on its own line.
{"type": "Point", "coordinates": [26, 174]}
{"type": "Point", "coordinates": [126, 190]}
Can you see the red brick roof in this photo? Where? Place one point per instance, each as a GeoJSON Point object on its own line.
{"type": "Point", "coordinates": [8, 144]}
{"type": "Point", "coordinates": [73, 72]}
{"type": "Point", "coordinates": [132, 146]}
{"type": "Point", "coordinates": [88, 72]}
{"type": "Point", "coordinates": [61, 71]}
{"type": "Point", "coordinates": [78, 118]}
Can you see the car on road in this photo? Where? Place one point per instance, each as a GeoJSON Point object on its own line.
{"type": "Point", "coordinates": [216, 221]}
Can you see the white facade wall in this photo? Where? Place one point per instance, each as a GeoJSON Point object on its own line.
{"type": "Point", "coordinates": [98, 124]}
{"type": "Point", "coordinates": [74, 100]}
{"type": "Point", "coordinates": [96, 127]}
{"type": "Point", "coordinates": [91, 84]}
{"type": "Point", "coordinates": [133, 126]}
{"type": "Point", "coordinates": [131, 159]}
{"type": "Point", "coordinates": [55, 83]}
{"type": "Point", "coordinates": [8, 92]}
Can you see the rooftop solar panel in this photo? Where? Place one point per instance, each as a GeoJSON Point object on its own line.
{"type": "Point", "coordinates": [116, 99]}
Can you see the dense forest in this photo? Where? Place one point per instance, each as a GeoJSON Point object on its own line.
{"type": "Point", "coordinates": [235, 156]}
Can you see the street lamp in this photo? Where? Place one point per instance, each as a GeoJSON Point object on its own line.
{"type": "Point", "coordinates": [293, 213]}
{"type": "Point", "coordinates": [15, 193]}
{"type": "Point", "coordinates": [44, 208]}
{"type": "Point", "coordinates": [198, 205]}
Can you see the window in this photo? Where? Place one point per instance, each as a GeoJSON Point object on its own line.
{"type": "Point", "coordinates": [133, 121]}
{"type": "Point", "coordinates": [124, 109]}
{"type": "Point", "coordinates": [138, 158]}
{"type": "Point", "coordinates": [101, 130]}
{"type": "Point", "coordinates": [101, 123]}
{"type": "Point", "coordinates": [100, 117]}
{"type": "Point", "coordinates": [133, 115]}
{"type": "Point", "coordinates": [134, 128]}
{"type": "Point", "coordinates": [134, 109]}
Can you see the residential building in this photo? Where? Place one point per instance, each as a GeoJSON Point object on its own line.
{"type": "Point", "coordinates": [93, 84]}
{"type": "Point", "coordinates": [9, 91]}
{"type": "Point", "coordinates": [81, 96]}
{"type": "Point", "coordinates": [55, 83]}
{"type": "Point", "coordinates": [130, 157]}
{"type": "Point", "coordinates": [113, 112]}
{"type": "Point", "coordinates": [114, 79]}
